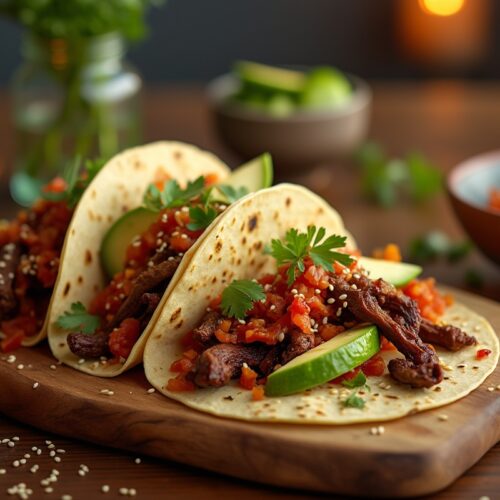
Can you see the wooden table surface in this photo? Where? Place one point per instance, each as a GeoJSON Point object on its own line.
{"type": "Point", "coordinates": [448, 121]}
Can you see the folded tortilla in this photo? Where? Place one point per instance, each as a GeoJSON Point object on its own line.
{"type": "Point", "coordinates": [118, 188]}
{"type": "Point", "coordinates": [233, 250]}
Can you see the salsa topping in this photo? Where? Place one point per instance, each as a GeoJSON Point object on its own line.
{"type": "Point", "coordinates": [125, 306]}
{"type": "Point", "coordinates": [315, 295]}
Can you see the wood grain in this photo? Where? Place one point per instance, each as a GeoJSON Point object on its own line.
{"type": "Point", "coordinates": [416, 455]}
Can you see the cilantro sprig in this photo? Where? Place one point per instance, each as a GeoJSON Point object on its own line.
{"type": "Point", "coordinates": [354, 401]}
{"type": "Point", "coordinates": [358, 381]}
{"type": "Point", "coordinates": [172, 194]}
{"type": "Point", "coordinates": [78, 318]}
{"type": "Point", "coordinates": [201, 217]}
{"type": "Point", "coordinates": [297, 246]}
{"type": "Point", "coordinates": [76, 183]}
{"type": "Point", "coordinates": [239, 296]}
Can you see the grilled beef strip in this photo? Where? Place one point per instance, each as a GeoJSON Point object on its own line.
{"type": "Point", "coordinates": [147, 281]}
{"type": "Point", "coordinates": [149, 303]}
{"type": "Point", "coordinates": [220, 363]}
{"type": "Point", "coordinates": [205, 333]}
{"type": "Point", "coordinates": [397, 316]}
{"type": "Point", "coordinates": [298, 343]}
{"type": "Point", "coordinates": [89, 346]}
{"type": "Point", "coordinates": [448, 336]}
{"type": "Point", "coordinates": [10, 255]}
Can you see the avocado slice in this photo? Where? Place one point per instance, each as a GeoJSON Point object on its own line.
{"type": "Point", "coordinates": [269, 78]}
{"type": "Point", "coordinates": [325, 362]}
{"type": "Point", "coordinates": [254, 175]}
{"type": "Point", "coordinates": [122, 232]}
{"type": "Point", "coordinates": [397, 273]}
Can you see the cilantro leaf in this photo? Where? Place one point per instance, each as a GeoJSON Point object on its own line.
{"type": "Point", "coordinates": [358, 381]}
{"type": "Point", "coordinates": [231, 193]}
{"type": "Point", "coordinates": [77, 318]}
{"type": "Point", "coordinates": [354, 401]}
{"type": "Point", "coordinates": [172, 194]}
{"type": "Point", "coordinates": [201, 217]}
{"type": "Point", "coordinates": [297, 246]}
{"type": "Point", "coordinates": [239, 296]}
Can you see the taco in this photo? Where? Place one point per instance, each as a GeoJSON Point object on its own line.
{"type": "Point", "coordinates": [310, 331]}
{"type": "Point", "coordinates": [132, 235]}
{"type": "Point", "coordinates": [30, 254]}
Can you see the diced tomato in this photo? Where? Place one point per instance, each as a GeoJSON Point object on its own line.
{"type": "Point", "coordinates": [389, 252]}
{"type": "Point", "coordinates": [430, 302]}
{"type": "Point", "coordinates": [12, 342]}
{"type": "Point", "coordinates": [181, 242]}
{"type": "Point", "coordinates": [385, 345]}
{"type": "Point", "coordinates": [57, 185]}
{"type": "Point", "coordinates": [225, 338]}
{"type": "Point", "coordinates": [329, 331]}
{"type": "Point", "coordinates": [26, 322]}
{"type": "Point", "coordinates": [191, 354]}
{"type": "Point", "coordinates": [182, 365]}
{"type": "Point", "coordinates": [211, 179]}
{"type": "Point", "coordinates": [317, 277]}
{"type": "Point", "coordinates": [48, 265]}
{"type": "Point", "coordinates": [346, 376]}
{"type": "Point", "coordinates": [258, 393]}
{"type": "Point", "coordinates": [123, 339]}
{"type": "Point", "coordinates": [375, 366]}
{"type": "Point", "coordinates": [482, 353]}
{"type": "Point", "coordinates": [319, 307]}
{"type": "Point", "coordinates": [299, 314]}
{"type": "Point", "coordinates": [180, 384]}
{"type": "Point", "coordinates": [247, 378]}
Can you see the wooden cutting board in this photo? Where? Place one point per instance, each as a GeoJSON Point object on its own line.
{"type": "Point", "coordinates": [416, 455]}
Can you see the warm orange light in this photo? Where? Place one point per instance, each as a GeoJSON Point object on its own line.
{"type": "Point", "coordinates": [441, 7]}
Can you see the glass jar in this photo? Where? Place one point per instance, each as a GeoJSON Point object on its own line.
{"type": "Point", "coordinates": [72, 99]}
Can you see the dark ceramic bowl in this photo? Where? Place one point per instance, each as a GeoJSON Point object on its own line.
{"type": "Point", "coordinates": [469, 184]}
{"type": "Point", "coordinates": [301, 139]}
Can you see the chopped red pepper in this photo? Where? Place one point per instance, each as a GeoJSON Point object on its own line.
{"type": "Point", "coordinates": [258, 393]}
{"type": "Point", "coordinates": [180, 384]}
{"type": "Point", "coordinates": [247, 378]}
{"type": "Point", "coordinates": [373, 367]}
{"type": "Point", "coordinates": [123, 338]}
{"type": "Point", "coordinates": [483, 353]}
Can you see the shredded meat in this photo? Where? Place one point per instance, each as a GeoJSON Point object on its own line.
{"type": "Point", "coordinates": [397, 316]}
{"type": "Point", "coordinates": [222, 362]}
{"type": "Point", "coordinates": [89, 346]}
{"type": "Point", "coordinates": [146, 282]}
{"type": "Point", "coordinates": [205, 333]}
{"type": "Point", "coordinates": [448, 336]}
{"type": "Point", "coordinates": [9, 260]}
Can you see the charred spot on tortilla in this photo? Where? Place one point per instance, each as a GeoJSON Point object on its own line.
{"type": "Point", "coordinates": [244, 240]}
{"type": "Point", "coordinates": [214, 279]}
{"type": "Point", "coordinates": [177, 155]}
{"type": "Point", "coordinates": [91, 215]}
{"type": "Point", "coordinates": [276, 215]}
{"type": "Point", "coordinates": [320, 210]}
{"type": "Point", "coordinates": [242, 227]}
{"type": "Point", "coordinates": [80, 279]}
{"type": "Point", "coordinates": [288, 202]}
{"type": "Point", "coordinates": [73, 232]}
{"type": "Point", "coordinates": [110, 218]}
{"type": "Point", "coordinates": [66, 289]}
{"type": "Point", "coordinates": [190, 289]}
{"type": "Point", "coordinates": [218, 246]}
{"type": "Point", "coordinates": [252, 223]}
{"type": "Point", "coordinates": [252, 261]}
{"type": "Point", "coordinates": [238, 262]}
{"type": "Point", "coordinates": [175, 314]}
{"type": "Point", "coordinates": [210, 257]}
{"type": "Point", "coordinates": [93, 194]}
{"type": "Point", "coordinates": [99, 218]}
{"type": "Point", "coordinates": [62, 344]}
{"type": "Point", "coordinates": [178, 325]}
{"type": "Point", "coordinates": [257, 245]}
{"type": "Point", "coordinates": [224, 273]}
{"type": "Point", "coordinates": [88, 257]}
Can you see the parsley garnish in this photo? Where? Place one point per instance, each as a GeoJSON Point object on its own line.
{"type": "Point", "coordinates": [354, 401]}
{"type": "Point", "coordinates": [172, 194]}
{"type": "Point", "coordinates": [75, 183]}
{"type": "Point", "coordinates": [201, 217]}
{"type": "Point", "coordinates": [358, 381]}
{"type": "Point", "coordinates": [77, 318]}
{"type": "Point", "coordinates": [231, 193]}
{"type": "Point", "coordinates": [298, 246]}
{"type": "Point", "coordinates": [239, 296]}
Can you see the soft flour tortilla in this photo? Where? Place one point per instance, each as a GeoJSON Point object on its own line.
{"type": "Point", "coordinates": [118, 188]}
{"type": "Point", "coordinates": [233, 250]}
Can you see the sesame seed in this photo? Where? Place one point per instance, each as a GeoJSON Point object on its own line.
{"type": "Point", "coordinates": [11, 359]}
{"type": "Point", "coordinates": [343, 296]}
{"type": "Point", "coordinates": [344, 304]}
{"type": "Point", "coordinates": [132, 492]}
{"type": "Point", "coordinates": [53, 367]}
{"type": "Point", "coordinates": [27, 455]}
{"type": "Point", "coordinates": [11, 444]}
{"type": "Point", "coordinates": [20, 367]}
{"type": "Point", "coordinates": [123, 491]}
{"type": "Point", "coordinates": [34, 469]}
{"type": "Point", "coordinates": [3, 471]}
{"type": "Point", "coordinates": [49, 489]}
{"type": "Point", "coordinates": [339, 311]}
{"type": "Point", "coordinates": [82, 360]}
{"type": "Point", "coordinates": [66, 497]}
{"type": "Point", "coordinates": [150, 391]}
{"type": "Point", "coordinates": [57, 459]}
{"type": "Point", "coordinates": [294, 291]}
{"type": "Point", "coordinates": [491, 389]}
{"type": "Point", "coordinates": [105, 488]}
{"type": "Point", "coordinates": [51, 446]}
{"type": "Point", "coordinates": [272, 308]}
{"type": "Point", "coordinates": [331, 288]}
{"type": "Point", "coordinates": [281, 337]}
{"type": "Point", "coordinates": [331, 300]}
{"type": "Point", "coordinates": [35, 385]}
{"type": "Point", "coordinates": [22, 461]}
{"type": "Point", "coordinates": [325, 320]}
{"type": "Point", "coordinates": [137, 460]}
{"type": "Point", "coordinates": [81, 472]}
{"type": "Point", "coordinates": [381, 429]}
{"type": "Point", "coordinates": [52, 453]}
{"type": "Point", "coordinates": [354, 287]}
{"type": "Point", "coordinates": [16, 463]}
{"type": "Point", "coordinates": [443, 417]}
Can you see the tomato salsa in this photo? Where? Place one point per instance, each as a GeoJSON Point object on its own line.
{"type": "Point", "coordinates": [31, 247]}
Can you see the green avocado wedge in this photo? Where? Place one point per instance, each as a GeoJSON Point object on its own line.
{"type": "Point", "coordinates": [254, 175]}
{"type": "Point", "coordinates": [396, 273]}
{"type": "Point", "coordinates": [325, 362]}
{"type": "Point", "coordinates": [122, 232]}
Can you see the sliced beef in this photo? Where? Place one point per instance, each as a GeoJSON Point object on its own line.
{"type": "Point", "coordinates": [222, 362]}
{"type": "Point", "coordinates": [149, 303]}
{"type": "Point", "coordinates": [448, 336]}
{"type": "Point", "coordinates": [271, 360]}
{"type": "Point", "coordinates": [205, 333]}
{"type": "Point", "coordinates": [146, 282]}
{"type": "Point", "coordinates": [423, 375]}
{"type": "Point", "coordinates": [89, 346]}
{"type": "Point", "coordinates": [9, 260]}
{"type": "Point", "coordinates": [298, 344]}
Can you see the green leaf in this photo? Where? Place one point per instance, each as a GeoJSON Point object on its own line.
{"type": "Point", "coordinates": [297, 246]}
{"type": "Point", "coordinates": [172, 195]}
{"type": "Point", "coordinates": [231, 193]}
{"type": "Point", "coordinates": [78, 319]}
{"type": "Point", "coordinates": [425, 179]}
{"type": "Point", "coordinates": [239, 296]}
{"type": "Point", "coordinates": [354, 401]}
{"type": "Point", "coordinates": [358, 381]}
{"type": "Point", "coordinates": [201, 217]}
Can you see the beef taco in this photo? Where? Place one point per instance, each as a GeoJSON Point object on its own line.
{"type": "Point", "coordinates": [30, 253]}
{"type": "Point", "coordinates": [132, 235]}
{"type": "Point", "coordinates": [310, 331]}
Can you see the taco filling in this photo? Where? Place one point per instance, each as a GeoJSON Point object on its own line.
{"type": "Point", "coordinates": [318, 293]}
{"type": "Point", "coordinates": [122, 310]}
